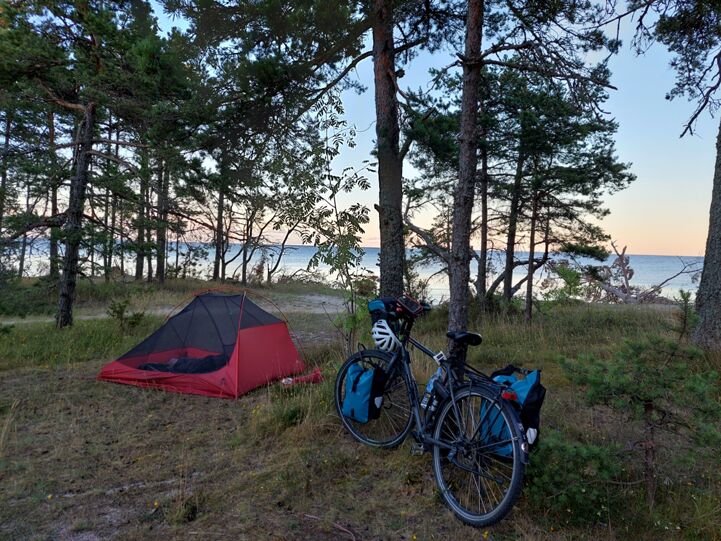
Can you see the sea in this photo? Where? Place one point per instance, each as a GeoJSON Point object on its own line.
{"type": "Point", "coordinates": [648, 270]}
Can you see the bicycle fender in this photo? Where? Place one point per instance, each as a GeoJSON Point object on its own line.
{"type": "Point", "coordinates": [524, 447]}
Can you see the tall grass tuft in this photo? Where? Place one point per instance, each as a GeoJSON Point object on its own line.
{"type": "Point", "coordinates": [7, 425]}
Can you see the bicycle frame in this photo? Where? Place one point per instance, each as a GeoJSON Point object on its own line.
{"type": "Point", "coordinates": [457, 371]}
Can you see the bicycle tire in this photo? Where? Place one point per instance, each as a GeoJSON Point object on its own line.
{"type": "Point", "coordinates": [483, 456]}
{"type": "Point", "coordinates": [394, 423]}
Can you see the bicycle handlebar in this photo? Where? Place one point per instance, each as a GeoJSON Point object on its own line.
{"type": "Point", "coordinates": [413, 307]}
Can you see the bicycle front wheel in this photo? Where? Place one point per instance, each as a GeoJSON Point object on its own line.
{"type": "Point", "coordinates": [392, 426]}
{"type": "Point", "coordinates": [480, 472]}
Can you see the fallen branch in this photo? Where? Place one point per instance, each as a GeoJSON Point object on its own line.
{"type": "Point", "coordinates": [335, 525]}
{"type": "Point", "coordinates": [621, 273]}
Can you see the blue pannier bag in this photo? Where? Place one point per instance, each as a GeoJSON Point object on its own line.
{"type": "Point", "coordinates": [363, 393]}
{"type": "Point", "coordinates": [530, 394]}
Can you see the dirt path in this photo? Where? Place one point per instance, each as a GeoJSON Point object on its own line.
{"type": "Point", "coordinates": [312, 303]}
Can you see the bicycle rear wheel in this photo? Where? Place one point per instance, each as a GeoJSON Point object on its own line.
{"type": "Point", "coordinates": [480, 475]}
{"type": "Point", "coordinates": [392, 426]}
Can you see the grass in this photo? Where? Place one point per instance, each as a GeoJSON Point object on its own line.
{"type": "Point", "coordinates": [41, 345]}
{"type": "Point", "coordinates": [84, 457]}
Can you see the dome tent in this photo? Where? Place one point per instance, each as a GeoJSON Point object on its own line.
{"type": "Point", "coordinates": [219, 345]}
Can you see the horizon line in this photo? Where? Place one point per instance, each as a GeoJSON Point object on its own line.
{"type": "Point", "coordinates": [525, 251]}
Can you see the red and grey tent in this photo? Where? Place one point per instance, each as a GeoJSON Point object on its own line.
{"type": "Point", "coordinates": [219, 345]}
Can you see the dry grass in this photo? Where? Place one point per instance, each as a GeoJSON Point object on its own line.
{"type": "Point", "coordinates": [85, 460]}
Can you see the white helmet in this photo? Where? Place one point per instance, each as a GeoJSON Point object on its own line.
{"type": "Point", "coordinates": [384, 337]}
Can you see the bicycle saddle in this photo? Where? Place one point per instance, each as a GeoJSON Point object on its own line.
{"type": "Point", "coordinates": [465, 337]}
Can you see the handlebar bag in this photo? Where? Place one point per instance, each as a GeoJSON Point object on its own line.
{"type": "Point", "coordinates": [363, 393]}
{"type": "Point", "coordinates": [382, 308]}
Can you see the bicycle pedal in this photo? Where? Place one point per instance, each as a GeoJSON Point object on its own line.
{"type": "Point", "coordinates": [417, 449]}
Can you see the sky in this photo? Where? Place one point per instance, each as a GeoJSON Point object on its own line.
{"type": "Point", "coordinates": [664, 212]}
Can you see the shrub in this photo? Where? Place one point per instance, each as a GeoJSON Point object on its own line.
{"type": "Point", "coordinates": [567, 286]}
{"type": "Point", "coordinates": [570, 479]}
{"type": "Point", "coordinates": [660, 384]}
{"type": "Point", "coordinates": [686, 316]}
{"type": "Point", "coordinates": [118, 310]}
{"type": "Point", "coordinates": [18, 299]}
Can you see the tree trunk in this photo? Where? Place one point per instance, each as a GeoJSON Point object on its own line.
{"type": "Point", "coordinates": [463, 196]}
{"type": "Point", "coordinates": [111, 240]}
{"type": "Point", "coordinates": [147, 198]}
{"type": "Point", "coordinates": [482, 278]}
{"type": "Point", "coordinates": [108, 210]}
{"type": "Point", "coordinates": [113, 215]}
{"type": "Point", "coordinates": [512, 226]}
{"type": "Point", "coordinates": [390, 163]}
{"type": "Point", "coordinates": [91, 249]}
{"type": "Point", "coordinates": [140, 251]}
{"type": "Point", "coordinates": [23, 250]}
{"type": "Point", "coordinates": [162, 221]}
{"type": "Point", "coordinates": [54, 253]}
{"type": "Point", "coordinates": [106, 243]}
{"type": "Point", "coordinates": [4, 166]}
{"type": "Point", "coordinates": [531, 255]}
{"type": "Point", "coordinates": [73, 222]}
{"type": "Point", "coordinates": [708, 299]}
{"type": "Point", "coordinates": [121, 247]}
{"type": "Point", "coordinates": [244, 261]}
{"type": "Point", "coordinates": [177, 252]}
{"type": "Point", "coordinates": [219, 234]}
{"type": "Point", "coordinates": [272, 268]}
{"type": "Point", "coordinates": [24, 243]}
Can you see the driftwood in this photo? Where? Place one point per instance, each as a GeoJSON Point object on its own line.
{"type": "Point", "coordinates": [615, 281]}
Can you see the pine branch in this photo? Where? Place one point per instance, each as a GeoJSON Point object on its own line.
{"type": "Point", "coordinates": [427, 238]}
{"type": "Point", "coordinates": [51, 221]}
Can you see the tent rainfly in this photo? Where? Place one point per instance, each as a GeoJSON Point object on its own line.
{"type": "Point", "coordinates": [219, 345]}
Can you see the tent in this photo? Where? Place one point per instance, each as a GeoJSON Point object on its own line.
{"type": "Point", "coordinates": [219, 345]}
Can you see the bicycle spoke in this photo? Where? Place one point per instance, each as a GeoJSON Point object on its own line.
{"type": "Point", "coordinates": [475, 476]}
{"type": "Point", "coordinates": [395, 414]}
{"type": "Point", "coordinates": [489, 494]}
{"type": "Point", "coordinates": [491, 445]}
{"type": "Point", "coordinates": [482, 421]}
{"type": "Point", "coordinates": [490, 424]}
{"type": "Point", "coordinates": [477, 483]}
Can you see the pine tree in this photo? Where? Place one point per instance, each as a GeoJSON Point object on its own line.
{"type": "Point", "coordinates": [100, 62]}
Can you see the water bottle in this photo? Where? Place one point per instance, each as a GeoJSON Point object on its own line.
{"type": "Point", "coordinates": [426, 403]}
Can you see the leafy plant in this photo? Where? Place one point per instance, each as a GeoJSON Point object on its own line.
{"type": "Point", "coordinates": [118, 310]}
{"type": "Point", "coordinates": [337, 230]}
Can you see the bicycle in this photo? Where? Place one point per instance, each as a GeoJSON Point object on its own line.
{"type": "Point", "coordinates": [478, 444]}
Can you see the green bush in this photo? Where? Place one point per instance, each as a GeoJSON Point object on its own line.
{"type": "Point", "coordinates": [570, 479]}
{"type": "Point", "coordinates": [118, 310]}
{"type": "Point", "coordinates": [18, 299]}
{"type": "Point", "coordinates": [663, 388]}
